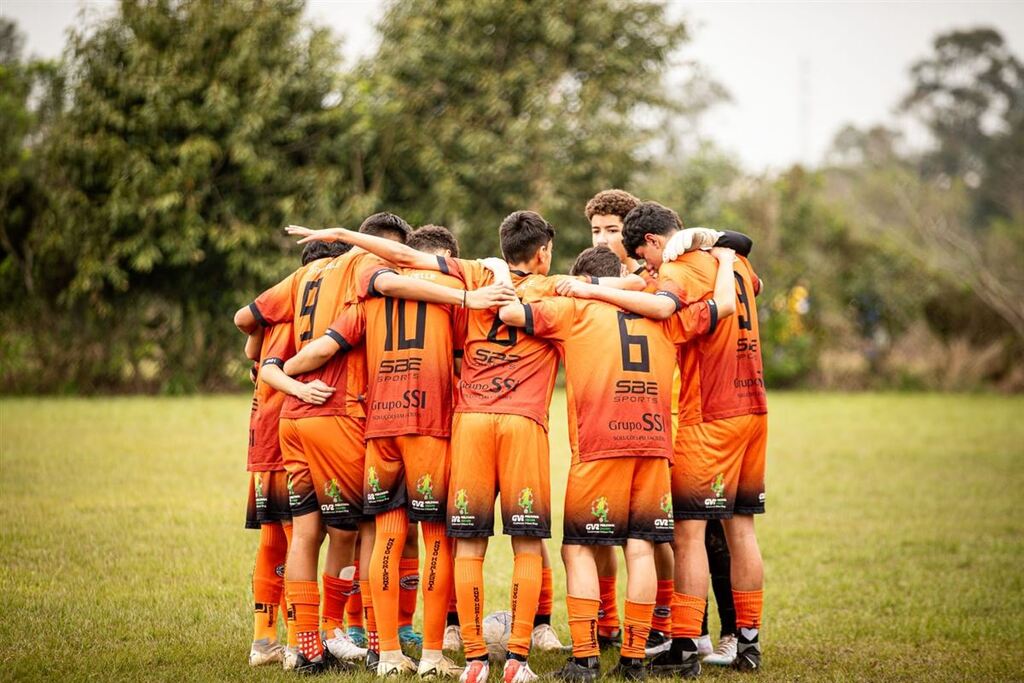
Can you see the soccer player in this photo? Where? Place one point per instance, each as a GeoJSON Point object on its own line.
{"type": "Point", "coordinates": [499, 434]}
{"type": "Point", "coordinates": [721, 440]}
{"type": "Point", "coordinates": [410, 348]}
{"type": "Point", "coordinates": [322, 445]}
{"type": "Point", "coordinates": [618, 391]}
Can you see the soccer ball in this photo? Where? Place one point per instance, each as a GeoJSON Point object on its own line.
{"type": "Point", "coordinates": [497, 629]}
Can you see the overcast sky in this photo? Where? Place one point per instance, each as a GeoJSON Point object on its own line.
{"type": "Point", "coordinates": [796, 71]}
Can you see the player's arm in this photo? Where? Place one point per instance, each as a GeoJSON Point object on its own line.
{"type": "Point", "coordinates": [390, 283]}
{"type": "Point", "coordinates": [631, 282]}
{"type": "Point", "coordinates": [389, 250]}
{"type": "Point", "coordinates": [340, 336]}
{"type": "Point", "coordinates": [246, 321]}
{"type": "Point", "coordinates": [316, 392]}
{"type": "Point", "coordinates": [550, 317]}
{"type": "Point", "coordinates": [513, 314]}
{"type": "Point", "coordinates": [725, 282]}
{"type": "Point", "coordinates": [253, 344]}
{"type": "Point", "coordinates": [692, 239]}
{"type": "Point", "coordinates": [656, 306]}
{"type": "Point", "coordinates": [737, 241]}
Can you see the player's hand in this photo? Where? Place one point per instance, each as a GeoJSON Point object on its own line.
{"type": "Point", "coordinates": [315, 393]}
{"type": "Point", "coordinates": [574, 288]}
{"type": "Point", "coordinates": [491, 296]}
{"type": "Point", "coordinates": [689, 240]}
{"type": "Point", "coordinates": [725, 255]}
{"type": "Point", "coordinates": [500, 269]}
{"type": "Point", "coordinates": [311, 235]}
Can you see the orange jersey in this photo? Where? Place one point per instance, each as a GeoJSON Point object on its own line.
{"type": "Point", "coordinates": [721, 372]}
{"type": "Point", "coordinates": [505, 370]}
{"type": "Point", "coordinates": [409, 348]}
{"type": "Point", "coordinates": [618, 370]}
{"type": "Point", "coordinates": [314, 296]}
{"type": "Point", "coordinates": [264, 445]}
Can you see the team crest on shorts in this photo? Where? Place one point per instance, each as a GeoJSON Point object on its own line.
{"type": "Point", "coordinates": [600, 509]}
{"type": "Point", "coordinates": [293, 498]}
{"type": "Point", "coordinates": [665, 522]}
{"type": "Point", "coordinates": [717, 501]}
{"type": "Point", "coordinates": [527, 517]}
{"type": "Point", "coordinates": [463, 518]}
{"type": "Point", "coordinates": [375, 495]}
{"type": "Point", "coordinates": [261, 497]}
{"type": "Point", "coordinates": [427, 502]}
{"type": "Point", "coordinates": [337, 504]}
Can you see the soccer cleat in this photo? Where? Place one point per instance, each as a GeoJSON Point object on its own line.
{"type": "Point", "coordinates": [704, 646]}
{"type": "Point", "coordinates": [681, 659]}
{"type": "Point", "coordinates": [606, 642]}
{"type": "Point", "coordinates": [632, 669]}
{"type": "Point", "coordinates": [452, 638]}
{"type": "Point", "coordinates": [408, 637]}
{"type": "Point", "coordinates": [578, 670]}
{"type": "Point", "coordinates": [544, 639]}
{"type": "Point", "coordinates": [357, 634]}
{"type": "Point", "coordinates": [657, 642]}
{"type": "Point", "coordinates": [263, 651]}
{"type": "Point", "coordinates": [372, 659]}
{"type": "Point", "coordinates": [290, 660]}
{"type": "Point", "coordinates": [748, 651]}
{"type": "Point", "coordinates": [386, 668]}
{"type": "Point", "coordinates": [438, 667]}
{"type": "Point", "coordinates": [725, 652]}
{"type": "Point", "coordinates": [476, 671]}
{"type": "Point", "coordinates": [342, 647]}
{"type": "Point", "coordinates": [517, 671]}
{"type": "Point", "coordinates": [309, 667]}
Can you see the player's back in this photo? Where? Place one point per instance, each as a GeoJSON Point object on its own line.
{"type": "Point", "coordinates": [722, 374]}
{"type": "Point", "coordinates": [409, 347]}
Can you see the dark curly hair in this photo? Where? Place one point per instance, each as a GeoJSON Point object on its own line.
{"type": "Point", "coordinates": [318, 250]}
{"type": "Point", "coordinates": [433, 238]}
{"type": "Point", "coordinates": [386, 224]}
{"type": "Point", "coordinates": [648, 217]}
{"type": "Point", "coordinates": [611, 203]}
{"type": "Point", "coordinates": [522, 233]}
{"type": "Point", "coordinates": [597, 262]}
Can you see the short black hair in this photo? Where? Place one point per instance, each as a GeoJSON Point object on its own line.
{"type": "Point", "coordinates": [648, 217]}
{"type": "Point", "coordinates": [387, 224]}
{"type": "Point", "coordinates": [522, 234]}
{"type": "Point", "coordinates": [597, 262]}
{"type": "Point", "coordinates": [433, 238]}
{"type": "Point", "coordinates": [319, 249]}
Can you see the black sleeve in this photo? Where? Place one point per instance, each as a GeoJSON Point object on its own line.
{"type": "Point", "coordinates": [736, 241]}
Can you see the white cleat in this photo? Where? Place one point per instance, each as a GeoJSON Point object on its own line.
{"type": "Point", "coordinates": [452, 639]}
{"type": "Point", "coordinates": [724, 654]}
{"type": "Point", "coordinates": [264, 652]}
{"type": "Point", "coordinates": [544, 639]}
{"type": "Point", "coordinates": [517, 672]}
{"type": "Point", "coordinates": [475, 672]}
{"type": "Point", "coordinates": [344, 648]}
{"type": "Point", "coordinates": [386, 668]}
{"type": "Point", "coordinates": [438, 667]}
{"type": "Point", "coordinates": [290, 659]}
{"type": "Point", "coordinates": [704, 646]}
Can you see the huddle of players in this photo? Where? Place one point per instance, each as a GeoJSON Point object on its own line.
{"type": "Point", "coordinates": [362, 345]}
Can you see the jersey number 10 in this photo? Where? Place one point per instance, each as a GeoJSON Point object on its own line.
{"type": "Point", "coordinates": [404, 342]}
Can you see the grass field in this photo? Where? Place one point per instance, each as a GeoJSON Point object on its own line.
{"type": "Point", "coordinates": [894, 545]}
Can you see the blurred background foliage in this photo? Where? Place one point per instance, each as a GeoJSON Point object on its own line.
{"type": "Point", "coordinates": [144, 176]}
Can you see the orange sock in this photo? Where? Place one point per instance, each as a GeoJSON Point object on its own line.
{"type": "Point", "coordinates": [547, 596]}
{"type": "Point", "coordinates": [437, 583]}
{"type": "Point", "coordinates": [687, 615]}
{"type": "Point", "coordinates": [662, 620]}
{"type": "Point", "coordinates": [335, 595]}
{"type": "Point", "coordinates": [409, 581]}
{"type": "Point", "coordinates": [583, 625]}
{"type": "Point", "coordinates": [369, 619]}
{"type": "Point", "coordinates": [267, 585]}
{"type": "Point", "coordinates": [526, 579]}
{"type": "Point", "coordinates": [289, 616]}
{"type": "Point", "coordinates": [749, 605]}
{"type": "Point", "coordinates": [469, 586]}
{"type": "Point", "coordinates": [636, 628]}
{"type": "Point", "coordinates": [608, 617]}
{"type": "Point", "coordinates": [354, 606]}
{"type": "Point", "coordinates": [392, 527]}
{"type": "Point", "coordinates": [304, 600]}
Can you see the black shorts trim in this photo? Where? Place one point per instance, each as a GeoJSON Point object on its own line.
{"type": "Point", "coordinates": [531, 533]}
{"type": "Point", "coordinates": [690, 516]}
{"type": "Point", "coordinates": [346, 525]}
{"type": "Point", "coordinates": [653, 537]}
{"type": "Point", "coordinates": [469, 533]}
{"type": "Point", "coordinates": [754, 510]}
{"type": "Point", "coordinates": [252, 524]}
{"type": "Point", "coordinates": [310, 506]}
{"type": "Point", "coordinates": [572, 540]}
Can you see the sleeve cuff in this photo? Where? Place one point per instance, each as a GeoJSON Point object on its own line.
{"type": "Point", "coordinates": [529, 319]}
{"type": "Point", "coordinates": [259, 316]}
{"type": "Point", "coordinates": [458, 353]}
{"type": "Point", "coordinates": [713, 310]}
{"type": "Point", "coordinates": [442, 265]}
{"type": "Point", "coordinates": [274, 361]}
{"type": "Point", "coordinates": [371, 289]}
{"type": "Point", "coordinates": [595, 280]}
{"type": "Point", "coordinates": [336, 336]}
{"type": "Point", "coordinates": [670, 295]}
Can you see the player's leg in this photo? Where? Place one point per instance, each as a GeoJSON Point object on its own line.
{"type": "Point", "coordinates": [354, 606]}
{"type": "Point", "coordinates": [660, 637]}
{"type": "Point", "coordinates": [609, 634]}
{"type": "Point", "coordinates": [721, 585]}
{"type": "Point", "coordinates": [267, 588]}
{"type": "Point", "coordinates": [544, 638]}
{"type": "Point", "coordinates": [452, 633]}
{"type": "Point", "coordinates": [409, 580]}
{"type": "Point", "coordinates": [340, 554]}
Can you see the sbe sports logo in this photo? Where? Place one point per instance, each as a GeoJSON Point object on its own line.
{"type": "Point", "coordinates": [665, 522]}
{"type": "Point", "coordinates": [462, 518]}
{"type": "Point", "coordinates": [717, 502]}
{"type": "Point", "coordinates": [375, 494]}
{"type": "Point", "coordinates": [600, 509]}
{"type": "Point", "coordinates": [527, 517]}
{"type": "Point", "coordinates": [426, 502]}
{"type": "Point", "coordinates": [333, 491]}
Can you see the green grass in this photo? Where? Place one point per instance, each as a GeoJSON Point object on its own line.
{"type": "Point", "coordinates": [894, 542]}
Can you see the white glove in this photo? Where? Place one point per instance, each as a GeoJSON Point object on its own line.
{"type": "Point", "coordinates": [689, 239]}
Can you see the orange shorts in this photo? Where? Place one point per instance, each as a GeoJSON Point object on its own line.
{"type": "Point", "coordinates": [719, 468]}
{"type": "Point", "coordinates": [498, 453]}
{"type": "Point", "coordinates": [268, 499]}
{"type": "Point", "coordinates": [613, 499]}
{"type": "Point", "coordinates": [410, 470]}
{"type": "Point", "coordinates": [324, 458]}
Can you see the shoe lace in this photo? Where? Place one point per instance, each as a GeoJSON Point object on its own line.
{"type": "Point", "coordinates": [726, 646]}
